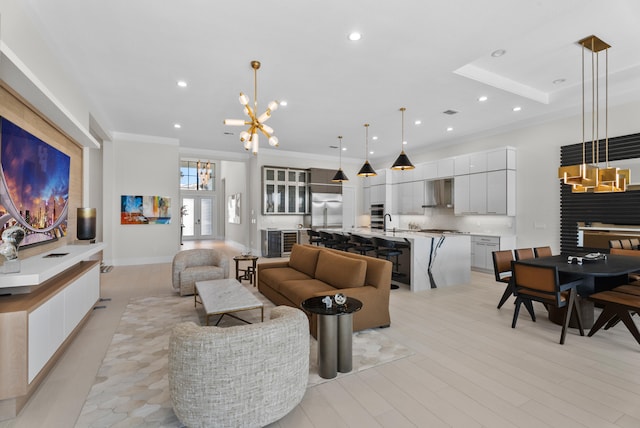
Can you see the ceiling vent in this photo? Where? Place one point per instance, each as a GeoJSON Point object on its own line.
{"type": "Point", "coordinates": [450, 112]}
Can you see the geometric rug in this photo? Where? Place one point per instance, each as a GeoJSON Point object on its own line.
{"type": "Point", "coordinates": [132, 387]}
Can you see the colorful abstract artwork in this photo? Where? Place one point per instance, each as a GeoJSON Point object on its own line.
{"type": "Point", "coordinates": [145, 209]}
{"type": "Point", "coordinates": [34, 185]}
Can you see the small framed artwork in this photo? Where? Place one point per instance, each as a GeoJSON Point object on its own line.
{"type": "Point", "coordinates": [233, 208]}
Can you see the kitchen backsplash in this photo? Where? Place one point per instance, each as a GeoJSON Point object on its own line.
{"type": "Point", "coordinates": [443, 218]}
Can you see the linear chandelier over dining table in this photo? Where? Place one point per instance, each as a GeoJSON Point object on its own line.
{"type": "Point", "coordinates": [590, 177]}
{"type": "Point", "coordinates": [250, 137]}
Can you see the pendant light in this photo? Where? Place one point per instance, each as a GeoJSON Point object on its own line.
{"type": "Point", "coordinates": [340, 175]}
{"type": "Point", "coordinates": [366, 170]}
{"type": "Point", "coordinates": [402, 163]}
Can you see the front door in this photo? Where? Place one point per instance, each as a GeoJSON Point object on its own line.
{"type": "Point", "coordinates": [197, 223]}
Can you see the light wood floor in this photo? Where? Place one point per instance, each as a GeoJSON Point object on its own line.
{"type": "Point", "coordinates": [469, 369]}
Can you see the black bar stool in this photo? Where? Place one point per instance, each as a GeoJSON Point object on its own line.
{"type": "Point", "coordinates": [327, 239]}
{"type": "Point", "coordinates": [362, 245]}
{"type": "Point", "coordinates": [387, 249]}
{"type": "Point", "coordinates": [314, 237]}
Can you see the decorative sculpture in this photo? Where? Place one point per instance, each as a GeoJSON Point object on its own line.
{"type": "Point", "coordinates": [11, 239]}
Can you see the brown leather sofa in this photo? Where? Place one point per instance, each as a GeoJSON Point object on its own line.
{"type": "Point", "coordinates": [315, 271]}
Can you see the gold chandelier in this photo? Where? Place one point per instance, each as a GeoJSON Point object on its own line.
{"type": "Point", "coordinates": [256, 123]}
{"type": "Point", "coordinates": [589, 177]}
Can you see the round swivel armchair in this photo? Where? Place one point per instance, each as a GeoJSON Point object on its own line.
{"type": "Point", "coordinates": [243, 376]}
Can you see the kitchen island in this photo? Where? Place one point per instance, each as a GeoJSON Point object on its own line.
{"type": "Point", "coordinates": [436, 259]}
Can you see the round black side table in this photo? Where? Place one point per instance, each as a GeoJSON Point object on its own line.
{"type": "Point", "coordinates": [335, 334]}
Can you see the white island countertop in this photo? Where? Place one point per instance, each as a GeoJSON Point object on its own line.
{"type": "Point", "coordinates": [437, 259]}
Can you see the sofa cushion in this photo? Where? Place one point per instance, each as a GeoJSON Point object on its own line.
{"type": "Point", "coordinates": [339, 271]}
{"type": "Point", "coordinates": [275, 278]}
{"type": "Point", "coordinates": [299, 290]}
{"type": "Point", "coordinates": [304, 259]}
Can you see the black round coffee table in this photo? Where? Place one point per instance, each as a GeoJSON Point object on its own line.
{"type": "Point", "coordinates": [335, 334]}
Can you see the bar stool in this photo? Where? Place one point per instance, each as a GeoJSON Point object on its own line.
{"type": "Point", "coordinates": [362, 245]}
{"type": "Point", "coordinates": [327, 239]}
{"type": "Point", "coordinates": [343, 242]}
{"type": "Point", "coordinates": [387, 249]}
{"type": "Point", "coordinates": [314, 237]}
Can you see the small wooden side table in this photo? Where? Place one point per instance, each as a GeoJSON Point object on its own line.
{"type": "Point", "coordinates": [248, 273]}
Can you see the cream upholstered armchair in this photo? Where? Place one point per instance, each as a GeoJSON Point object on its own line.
{"type": "Point", "coordinates": [200, 264]}
{"type": "Point", "coordinates": [243, 376]}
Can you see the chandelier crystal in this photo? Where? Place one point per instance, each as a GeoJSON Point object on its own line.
{"type": "Point", "coordinates": [250, 137]}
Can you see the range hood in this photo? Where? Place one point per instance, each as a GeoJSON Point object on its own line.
{"type": "Point", "coordinates": [438, 193]}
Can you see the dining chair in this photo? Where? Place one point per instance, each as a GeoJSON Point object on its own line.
{"type": "Point", "coordinates": [524, 253]}
{"type": "Point", "coordinates": [542, 284]}
{"type": "Point", "coordinates": [542, 252]}
{"type": "Point", "coordinates": [633, 277]}
{"type": "Point", "coordinates": [626, 244]}
{"type": "Point", "coordinates": [502, 270]}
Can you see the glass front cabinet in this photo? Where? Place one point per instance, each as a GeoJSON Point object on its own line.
{"type": "Point", "coordinates": [285, 190]}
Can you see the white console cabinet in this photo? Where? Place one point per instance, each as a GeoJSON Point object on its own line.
{"type": "Point", "coordinates": [42, 307]}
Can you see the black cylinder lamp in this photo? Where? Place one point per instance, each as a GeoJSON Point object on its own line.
{"type": "Point", "coordinates": [86, 230]}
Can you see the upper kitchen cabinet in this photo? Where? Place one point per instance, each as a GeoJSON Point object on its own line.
{"type": "Point", "coordinates": [485, 183]}
{"type": "Point", "coordinates": [408, 198]}
{"type": "Point", "coordinates": [285, 190]}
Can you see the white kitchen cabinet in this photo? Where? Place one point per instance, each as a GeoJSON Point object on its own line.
{"type": "Point", "coordinates": [446, 168]}
{"type": "Point", "coordinates": [408, 198]}
{"type": "Point", "coordinates": [470, 194]}
{"type": "Point", "coordinates": [430, 170]}
{"type": "Point", "coordinates": [461, 165]}
{"type": "Point", "coordinates": [461, 193]}
{"type": "Point", "coordinates": [377, 194]}
{"type": "Point", "coordinates": [492, 191]}
{"type": "Point", "coordinates": [482, 248]}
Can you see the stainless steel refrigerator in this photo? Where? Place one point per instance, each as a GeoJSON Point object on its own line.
{"type": "Point", "coordinates": [326, 210]}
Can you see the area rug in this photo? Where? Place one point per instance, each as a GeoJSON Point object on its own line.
{"type": "Point", "coordinates": [131, 387]}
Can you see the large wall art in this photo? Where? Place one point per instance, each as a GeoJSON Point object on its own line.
{"type": "Point", "coordinates": [34, 185]}
{"type": "Point", "coordinates": [145, 209]}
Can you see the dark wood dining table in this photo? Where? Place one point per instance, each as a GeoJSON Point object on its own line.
{"type": "Point", "coordinates": [596, 276]}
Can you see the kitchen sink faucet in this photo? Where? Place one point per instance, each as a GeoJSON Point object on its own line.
{"type": "Point", "coordinates": [384, 227]}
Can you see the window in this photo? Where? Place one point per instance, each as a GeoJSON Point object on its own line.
{"type": "Point", "coordinates": [197, 175]}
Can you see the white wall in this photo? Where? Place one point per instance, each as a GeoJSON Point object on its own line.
{"type": "Point", "coordinates": [146, 166]}
{"type": "Point", "coordinates": [234, 175]}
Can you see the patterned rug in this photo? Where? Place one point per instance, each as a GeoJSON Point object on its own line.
{"type": "Point", "coordinates": [131, 387]}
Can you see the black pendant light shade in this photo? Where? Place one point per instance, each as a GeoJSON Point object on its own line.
{"type": "Point", "coordinates": [402, 163]}
{"type": "Point", "coordinates": [367, 170]}
{"type": "Point", "coordinates": [340, 177]}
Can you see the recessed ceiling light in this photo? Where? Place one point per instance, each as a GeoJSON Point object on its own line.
{"type": "Point", "coordinates": [344, 149]}
{"type": "Point", "coordinates": [355, 36]}
{"type": "Point", "coordinates": [371, 152]}
{"type": "Point", "coordinates": [418, 122]}
{"type": "Point", "coordinates": [498, 53]}
{"type": "Point", "coordinates": [182, 83]}
{"type": "Point", "coordinates": [517, 108]}
{"type": "Point", "coordinates": [404, 142]}
{"type": "Point", "coordinates": [177, 125]}
{"type": "Point", "coordinates": [375, 137]}
{"type": "Point", "coordinates": [558, 81]}
{"type": "Point", "coordinates": [483, 98]}
{"type": "Point", "coordinates": [449, 129]}
{"type": "Point", "coordinates": [283, 103]}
